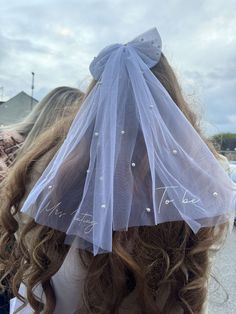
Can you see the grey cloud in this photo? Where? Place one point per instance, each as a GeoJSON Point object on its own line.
{"type": "Point", "coordinates": [21, 45]}
{"type": "Point", "coordinates": [221, 73]}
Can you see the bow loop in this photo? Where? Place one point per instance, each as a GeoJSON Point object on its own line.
{"type": "Point", "coordinates": [147, 46]}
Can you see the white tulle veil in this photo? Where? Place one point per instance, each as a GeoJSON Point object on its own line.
{"type": "Point", "coordinates": [130, 158]}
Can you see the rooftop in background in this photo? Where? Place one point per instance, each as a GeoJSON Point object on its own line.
{"type": "Point", "coordinates": [16, 108]}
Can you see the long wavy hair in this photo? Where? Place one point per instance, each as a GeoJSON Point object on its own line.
{"type": "Point", "coordinates": [166, 265]}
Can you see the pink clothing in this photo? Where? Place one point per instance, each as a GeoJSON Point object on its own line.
{"type": "Point", "coordinates": [10, 142]}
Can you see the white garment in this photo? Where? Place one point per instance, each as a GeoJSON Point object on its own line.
{"type": "Point", "coordinates": [67, 284]}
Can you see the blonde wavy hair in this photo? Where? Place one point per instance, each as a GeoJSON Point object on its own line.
{"type": "Point", "coordinates": [167, 265]}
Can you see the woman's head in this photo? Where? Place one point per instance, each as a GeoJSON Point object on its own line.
{"type": "Point", "coordinates": [166, 264]}
{"type": "Point", "coordinates": [54, 106]}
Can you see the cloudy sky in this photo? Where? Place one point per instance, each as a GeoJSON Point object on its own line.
{"type": "Point", "coordinates": [57, 40]}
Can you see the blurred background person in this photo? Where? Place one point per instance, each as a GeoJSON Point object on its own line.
{"type": "Point", "coordinates": [17, 139]}
{"type": "Point", "coordinates": [48, 111]}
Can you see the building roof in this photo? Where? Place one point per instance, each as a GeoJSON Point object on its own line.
{"type": "Point", "coordinates": [16, 108]}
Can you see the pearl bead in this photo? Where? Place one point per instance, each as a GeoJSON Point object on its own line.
{"type": "Point", "coordinates": [122, 132]}
{"type": "Point", "coordinates": [151, 106]}
{"type": "Point", "coordinates": [133, 164]}
{"type": "Point", "coordinates": [167, 202]}
{"type": "Point", "coordinates": [50, 186]}
{"type": "Point", "coordinates": [148, 209]}
{"type": "Point", "coordinates": [103, 205]}
{"type": "Point", "coordinates": [96, 133]}
{"type": "Point", "coordinates": [174, 151]}
{"type": "Point", "coordinates": [88, 171]}
{"type": "Point", "coordinates": [215, 194]}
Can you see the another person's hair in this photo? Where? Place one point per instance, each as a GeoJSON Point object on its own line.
{"type": "Point", "coordinates": [167, 265]}
{"type": "Point", "coordinates": [54, 106]}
